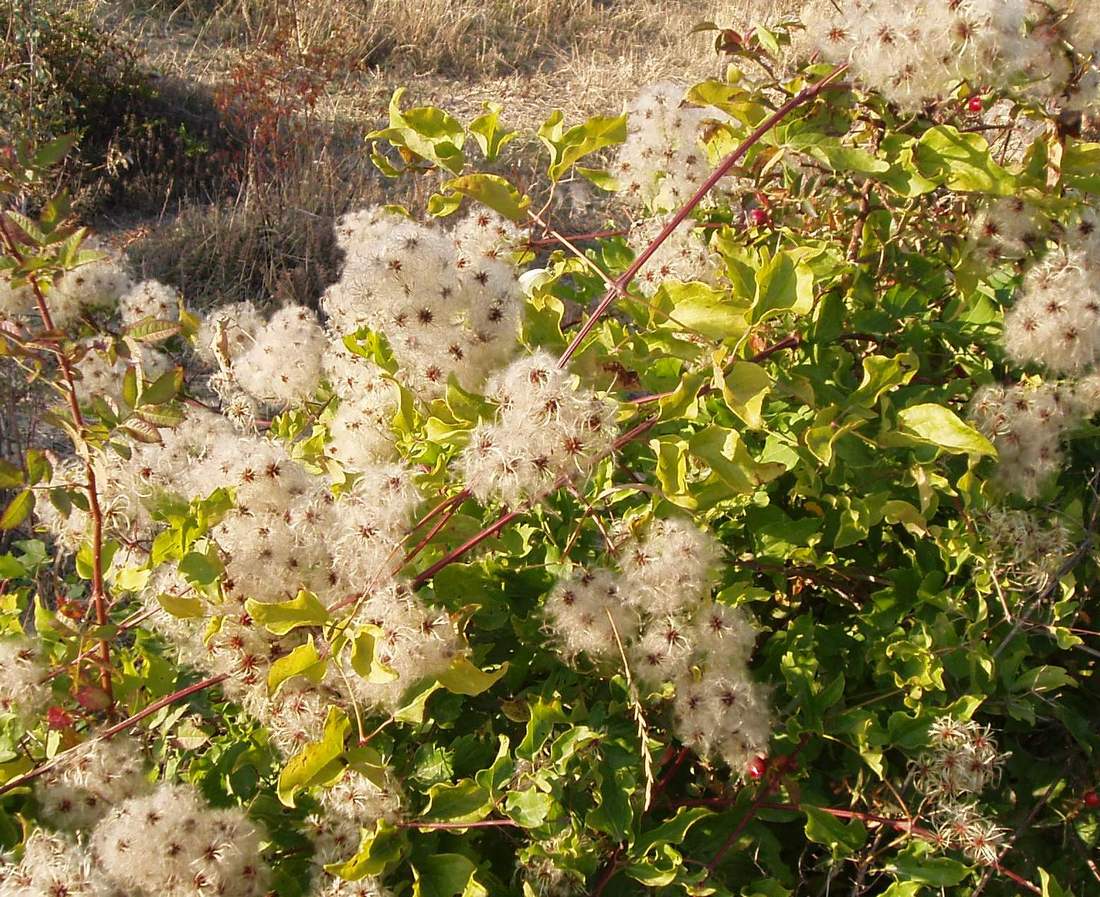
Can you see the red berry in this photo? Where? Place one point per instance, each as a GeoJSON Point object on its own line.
{"type": "Point", "coordinates": [56, 718]}
{"type": "Point", "coordinates": [758, 217]}
{"type": "Point", "coordinates": [1092, 799]}
{"type": "Point", "coordinates": [975, 104]}
{"type": "Point", "coordinates": [757, 767]}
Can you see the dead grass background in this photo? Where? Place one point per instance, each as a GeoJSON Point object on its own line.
{"type": "Point", "coordinates": [269, 239]}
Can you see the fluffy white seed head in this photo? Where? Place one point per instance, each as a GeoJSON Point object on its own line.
{"type": "Point", "coordinates": [171, 843]}
{"type": "Point", "coordinates": [149, 299]}
{"type": "Point", "coordinates": [23, 694]}
{"type": "Point", "coordinates": [444, 310]}
{"type": "Point", "coordinates": [548, 427]}
{"type": "Point", "coordinates": [91, 781]}
{"type": "Point", "coordinates": [283, 364]}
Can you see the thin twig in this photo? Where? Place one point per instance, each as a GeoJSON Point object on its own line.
{"type": "Point", "coordinates": [95, 511]}
{"type": "Point", "coordinates": [624, 279]}
{"type": "Point", "coordinates": [111, 731]}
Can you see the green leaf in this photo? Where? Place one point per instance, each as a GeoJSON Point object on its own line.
{"type": "Point", "coordinates": [882, 373]}
{"type": "Point", "coordinates": [181, 605]}
{"type": "Point", "coordinates": [700, 308]}
{"type": "Point", "coordinates": [39, 469]}
{"type": "Point", "coordinates": [744, 388]}
{"type": "Point", "coordinates": [1042, 678]}
{"type": "Point", "coordinates": [672, 831]}
{"type": "Point", "coordinates": [365, 660]}
{"type": "Point", "coordinates": [18, 509]}
{"type": "Point", "coordinates": [165, 388]}
{"type": "Point", "coordinates": [10, 568]}
{"type": "Point", "coordinates": [443, 875]}
{"type": "Point", "coordinates": [726, 454]}
{"type": "Point", "coordinates": [302, 661]}
{"type": "Point", "coordinates": [961, 162]}
{"type": "Point", "coordinates": [303, 610]}
{"type": "Point", "coordinates": [529, 808]}
{"type": "Point", "coordinates": [463, 678]}
{"type": "Point", "coordinates": [918, 862]}
{"type": "Point", "coordinates": [824, 828]}
{"type": "Point", "coordinates": [544, 715]}
{"type": "Point", "coordinates": [201, 568]}
{"type": "Point", "coordinates": [11, 477]}
{"type": "Point", "coordinates": [941, 427]}
{"type": "Point", "coordinates": [783, 283]}
{"type": "Point", "coordinates": [567, 146]}
{"type": "Point", "coordinates": [466, 801]}
{"type": "Point", "coordinates": [1081, 166]}
{"type": "Point", "coordinates": [493, 191]}
{"type": "Point", "coordinates": [319, 762]}
{"type": "Point", "coordinates": [613, 813]}
{"type": "Point", "coordinates": [378, 851]}
{"type": "Point", "coordinates": [424, 131]}
{"type": "Point", "coordinates": [151, 330]}
{"type": "Point", "coordinates": [488, 133]}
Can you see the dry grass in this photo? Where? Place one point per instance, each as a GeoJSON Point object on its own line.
{"type": "Point", "coordinates": [273, 239]}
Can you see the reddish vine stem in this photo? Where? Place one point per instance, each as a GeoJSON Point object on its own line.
{"type": "Point", "coordinates": [613, 864]}
{"type": "Point", "coordinates": [111, 731]}
{"type": "Point", "coordinates": [623, 280]}
{"type": "Point", "coordinates": [434, 826]}
{"type": "Point", "coordinates": [508, 516]}
{"type": "Point", "coordinates": [545, 242]}
{"type": "Point", "coordinates": [431, 534]}
{"type": "Point", "coordinates": [95, 511]}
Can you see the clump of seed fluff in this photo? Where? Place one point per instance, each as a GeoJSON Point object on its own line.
{"type": "Point", "coordinates": [52, 865]}
{"type": "Point", "coordinates": [171, 843]}
{"type": "Point", "coordinates": [1027, 551]}
{"type": "Point", "coordinates": [23, 693]}
{"type": "Point", "coordinates": [1028, 422]}
{"type": "Point", "coordinates": [548, 427]}
{"type": "Point", "coordinates": [917, 52]}
{"type": "Point", "coordinates": [657, 610]}
{"type": "Point", "coordinates": [92, 780]}
{"type": "Point", "coordinates": [963, 760]}
{"type": "Point", "coordinates": [663, 160]}
{"type": "Point", "coordinates": [1055, 318]}
{"type": "Point", "coordinates": [353, 804]}
{"type": "Point", "coordinates": [446, 308]}
{"type": "Point", "coordinates": [683, 256]}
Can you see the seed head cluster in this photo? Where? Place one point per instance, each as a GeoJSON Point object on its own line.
{"type": "Point", "coordinates": [171, 843]}
{"type": "Point", "coordinates": [917, 52]}
{"type": "Point", "coordinates": [663, 160]}
{"type": "Point", "coordinates": [1028, 422]}
{"type": "Point", "coordinates": [23, 694]}
{"type": "Point", "coordinates": [124, 836]}
{"type": "Point", "coordinates": [1026, 549]}
{"type": "Point", "coordinates": [448, 304]}
{"type": "Point", "coordinates": [684, 256]}
{"type": "Point", "coordinates": [97, 777]}
{"type": "Point", "coordinates": [658, 610]}
{"type": "Point", "coordinates": [548, 426]}
{"type": "Point", "coordinates": [963, 760]}
{"type": "Point", "coordinates": [1055, 319]}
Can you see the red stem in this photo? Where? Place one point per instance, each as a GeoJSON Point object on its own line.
{"type": "Point", "coordinates": [95, 511]}
{"type": "Point", "coordinates": [111, 731]}
{"type": "Point", "coordinates": [542, 242]}
{"type": "Point", "coordinates": [432, 826]}
{"type": "Point", "coordinates": [507, 517]}
{"type": "Point", "coordinates": [621, 282]}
